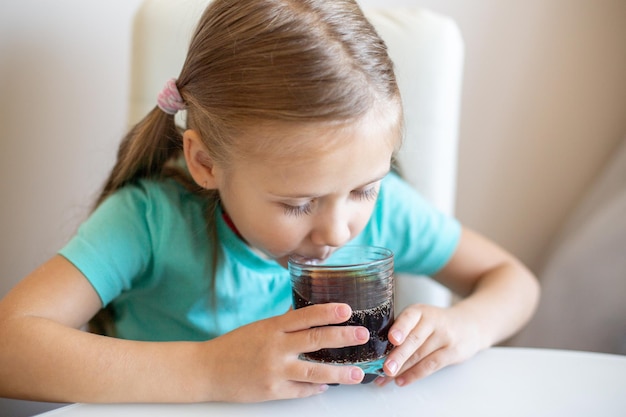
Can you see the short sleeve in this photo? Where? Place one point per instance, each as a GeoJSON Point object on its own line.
{"type": "Point", "coordinates": [422, 237]}
{"type": "Point", "coordinates": [113, 245]}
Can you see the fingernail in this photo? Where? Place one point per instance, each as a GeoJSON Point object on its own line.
{"type": "Point", "coordinates": [343, 311]}
{"type": "Point", "coordinates": [393, 367]}
{"type": "Point", "coordinates": [362, 334]}
{"type": "Point", "coordinates": [356, 374]}
{"type": "Point", "coordinates": [398, 335]}
{"type": "Point", "coordinates": [323, 388]}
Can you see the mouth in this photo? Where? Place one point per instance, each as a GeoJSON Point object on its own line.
{"type": "Point", "coordinates": [312, 261]}
{"type": "Point", "coordinates": [315, 259]}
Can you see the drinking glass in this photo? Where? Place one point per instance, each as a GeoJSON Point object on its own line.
{"type": "Point", "coordinates": [361, 276]}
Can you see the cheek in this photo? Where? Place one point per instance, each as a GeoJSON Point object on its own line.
{"type": "Point", "coordinates": [361, 218]}
{"type": "Point", "coordinates": [277, 235]}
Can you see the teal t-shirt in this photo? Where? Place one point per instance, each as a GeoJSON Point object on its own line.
{"type": "Point", "coordinates": [146, 250]}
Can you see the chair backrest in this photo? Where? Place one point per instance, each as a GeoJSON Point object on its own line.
{"type": "Point", "coordinates": [428, 52]}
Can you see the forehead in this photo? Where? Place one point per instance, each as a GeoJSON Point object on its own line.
{"type": "Point", "coordinates": [317, 160]}
{"type": "Point", "coordinates": [283, 142]}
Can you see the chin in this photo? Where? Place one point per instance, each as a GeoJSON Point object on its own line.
{"type": "Point", "coordinates": [283, 261]}
{"type": "Point", "coordinates": [280, 257]}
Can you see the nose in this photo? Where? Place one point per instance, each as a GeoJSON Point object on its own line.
{"type": "Point", "coordinates": [332, 228]}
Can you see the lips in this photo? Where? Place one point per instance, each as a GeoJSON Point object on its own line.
{"type": "Point", "coordinates": [315, 259]}
{"type": "Point", "coordinates": [312, 261]}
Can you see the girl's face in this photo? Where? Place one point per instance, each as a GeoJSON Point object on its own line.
{"type": "Point", "coordinates": [313, 199]}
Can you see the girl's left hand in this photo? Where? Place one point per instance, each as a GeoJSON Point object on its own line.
{"type": "Point", "coordinates": [426, 339]}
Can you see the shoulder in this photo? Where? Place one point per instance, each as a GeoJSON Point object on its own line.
{"type": "Point", "coordinates": [397, 194]}
{"type": "Point", "coordinates": [421, 236]}
{"type": "Point", "coordinates": [150, 190]}
{"type": "Point", "coordinates": [154, 197]}
{"type": "Point", "coordinates": [401, 204]}
{"type": "Point", "coordinates": [146, 212]}
{"type": "Point", "coordinates": [129, 237]}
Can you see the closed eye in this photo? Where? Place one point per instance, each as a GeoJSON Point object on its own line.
{"type": "Point", "coordinates": [297, 211]}
{"type": "Point", "coordinates": [370, 194]}
{"type": "Point", "coordinates": [365, 194]}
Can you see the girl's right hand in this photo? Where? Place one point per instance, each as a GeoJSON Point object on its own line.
{"type": "Point", "coordinates": [259, 361]}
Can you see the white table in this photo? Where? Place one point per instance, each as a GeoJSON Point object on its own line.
{"type": "Point", "coordinates": [504, 382]}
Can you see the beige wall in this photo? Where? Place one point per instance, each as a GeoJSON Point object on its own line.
{"type": "Point", "coordinates": [544, 103]}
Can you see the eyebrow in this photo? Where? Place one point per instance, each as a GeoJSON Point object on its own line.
{"type": "Point", "coordinates": [298, 196]}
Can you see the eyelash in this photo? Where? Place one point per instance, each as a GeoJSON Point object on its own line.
{"type": "Point", "coordinates": [305, 209]}
{"type": "Point", "coordinates": [367, 194]}
{"type": "Point", "coordinates": [298, 211]}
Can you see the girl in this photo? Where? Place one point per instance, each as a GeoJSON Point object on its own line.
{"type": "Point", "coordinates": [293, 119]}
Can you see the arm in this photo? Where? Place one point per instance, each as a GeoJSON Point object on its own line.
{"type": "Point", "coordinates": [44, 355]}
{"type": "Point", "coordinates": [500, 296]}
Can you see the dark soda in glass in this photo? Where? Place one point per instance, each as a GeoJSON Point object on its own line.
{"type": "Point", "coordinates": [361, 276]}
{"type": "Point", "coordinates": [377, 320]}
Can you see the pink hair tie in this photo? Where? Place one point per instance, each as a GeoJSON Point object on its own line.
{"type": "Point", "coordinates": [169, 99]}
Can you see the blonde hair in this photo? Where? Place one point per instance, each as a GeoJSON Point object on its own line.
{"type": "Point", "coordinates": [256, 62]}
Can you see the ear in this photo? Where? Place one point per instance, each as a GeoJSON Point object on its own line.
{"type": "Point", "coordinates": [199, 162]}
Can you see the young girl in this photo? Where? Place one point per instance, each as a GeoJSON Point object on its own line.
{"type": "Point", "coordinates": [293, 119]}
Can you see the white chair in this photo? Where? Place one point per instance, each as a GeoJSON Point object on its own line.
{"type": "Point", "coordinates": [428, 52]}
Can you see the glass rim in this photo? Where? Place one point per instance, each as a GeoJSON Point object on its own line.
{"type": "Point", "coordinates": [387, 255]}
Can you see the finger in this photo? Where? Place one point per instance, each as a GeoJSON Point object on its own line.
{"type": "Point", "coordinates": [381, 381]}
{"type": "Point", "coordinates": [406, 321]}
{"type": "Point", "coordinates": [317, 338]}
{"type": "Point", "coordinates": [407, 348]}
{"type": "Point", "coordinates": [428, 365]}
{"type": "Point", "coordinates": [427, 347]}
{"type": "Point", "coordinates": [315, 315]}
{"type": "Point", "coordinates": [305, 389]}
{"type": "Point", "coordinates": [289, 389]}
{"type": "Point", "coordinates": [321, 373]}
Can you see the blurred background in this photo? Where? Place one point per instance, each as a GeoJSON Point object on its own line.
{"type": "Point", "coordinates": [543, 117]}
